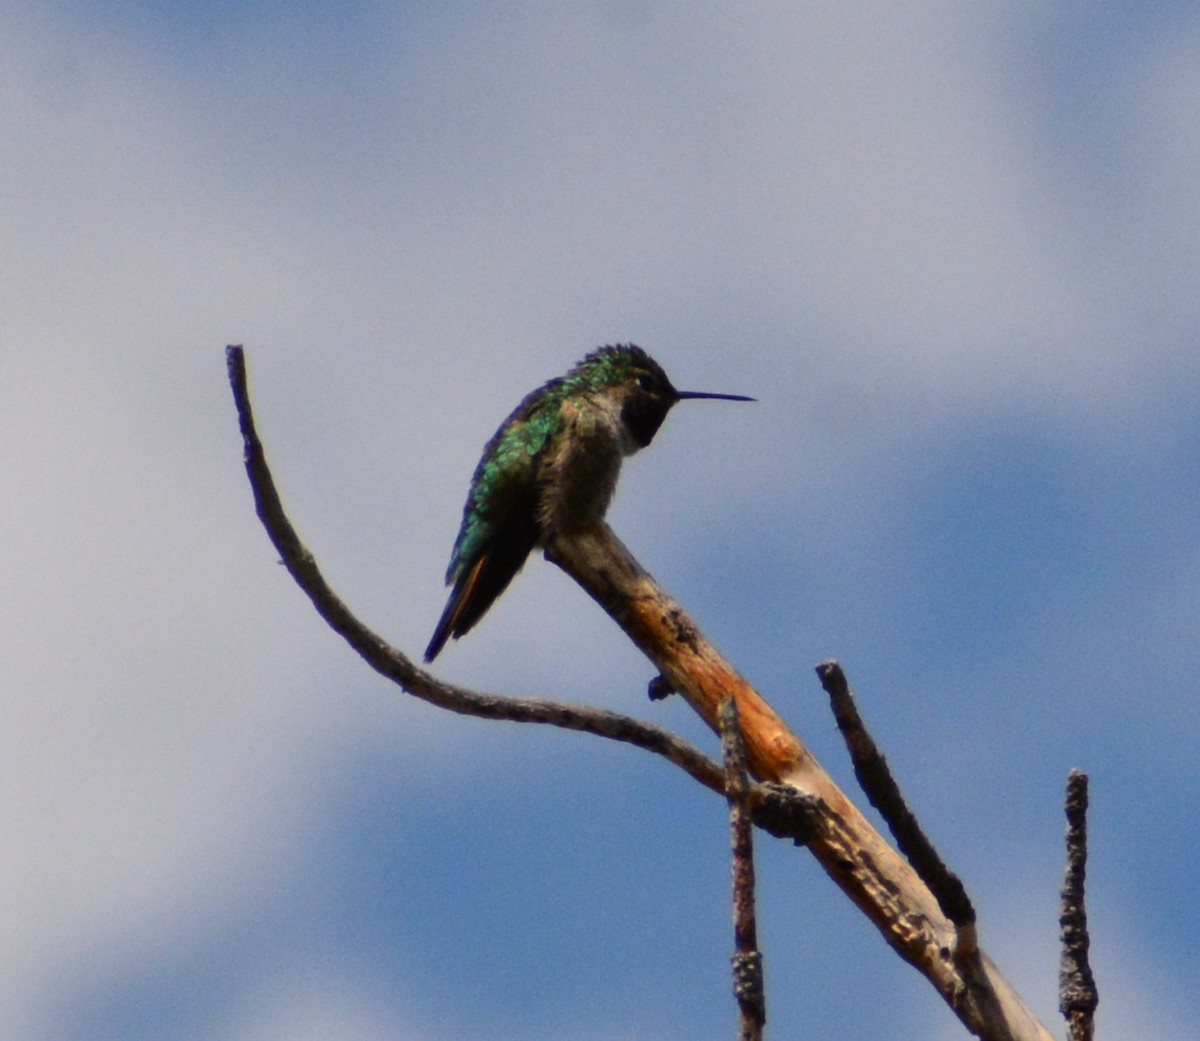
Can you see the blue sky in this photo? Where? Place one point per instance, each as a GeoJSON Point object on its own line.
{"type": "Point", "coordinates": [952, 249]}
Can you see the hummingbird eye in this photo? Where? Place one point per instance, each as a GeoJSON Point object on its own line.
{"type": "Point", "coordinates": [645, 382]}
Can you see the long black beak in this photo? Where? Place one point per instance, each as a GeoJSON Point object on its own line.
{"type": "Point", "coordinates": [684, 395]}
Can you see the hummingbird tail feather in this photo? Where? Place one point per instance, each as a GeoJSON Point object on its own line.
{"type": "Point", "coordinates": [479, 586]}
{"type": "Point", "coordinates": [456, 607]}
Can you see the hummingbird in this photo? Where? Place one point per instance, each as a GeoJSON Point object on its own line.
{"type": "Point", "coordinates": [551, 469]}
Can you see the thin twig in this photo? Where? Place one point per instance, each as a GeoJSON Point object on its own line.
{"type": "Point", "coordinates": [1077, 993]}
{"type": "Point", "coordinates": [747, 960]}
{"type": "Point", "coordinates": [873, 773]}
{"type": "Point", "coordinates": [394, 665]}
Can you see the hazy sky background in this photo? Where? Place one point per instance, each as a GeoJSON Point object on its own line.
{"type": "Point", "coordinates": [954, 249]}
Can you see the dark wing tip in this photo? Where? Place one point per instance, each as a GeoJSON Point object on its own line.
{"type": "Point", "coordinates": [478, 586]}
{"type": "Point", "coordinates": [436, 644]}
{"type": "Point", "coordinates": [456, 618]}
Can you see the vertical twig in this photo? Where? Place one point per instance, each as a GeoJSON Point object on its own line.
{"type": "Point", "coordinates": [746, 960]}
{"type": "Point", "coordinates": [1077, 994]}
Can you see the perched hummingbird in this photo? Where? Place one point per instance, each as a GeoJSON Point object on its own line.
{"type": "Point", "coordinates": [552, 468]}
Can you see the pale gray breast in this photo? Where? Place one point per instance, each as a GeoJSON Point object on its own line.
{"type": "Point", "coordinates": [578, 478]}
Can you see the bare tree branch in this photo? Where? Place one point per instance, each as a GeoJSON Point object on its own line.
{"type": "Point", "coordinates": [817, 813]}
{"type": "Point", "coordinates": [747, 959]}
{"type": "Point", "coordinates": [873, 773]}
{"type": "Point", "coordinates": [1077, 993]}
{"type": "Point", "coordinates": [877, 879]}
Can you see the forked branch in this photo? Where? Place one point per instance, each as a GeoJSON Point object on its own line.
{"type": "Point", "coordinates": [797, 797]}
{"type": "Point", "coordinates": [876, 878]}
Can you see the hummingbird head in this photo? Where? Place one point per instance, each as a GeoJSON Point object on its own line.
{"type": "Point", "coordinates": [640, 388]}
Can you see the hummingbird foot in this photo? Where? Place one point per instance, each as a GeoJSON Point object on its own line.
{"type": "Point", "coordinates": [660, 688]}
